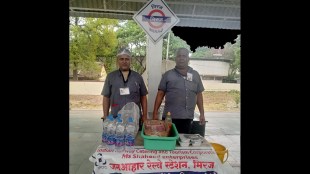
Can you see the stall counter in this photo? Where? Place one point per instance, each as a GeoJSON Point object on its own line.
{"type": "Point", "coordinates": [198, 160]}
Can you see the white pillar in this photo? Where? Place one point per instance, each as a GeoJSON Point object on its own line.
{"type": "Point", "coordinates": [153, 68]}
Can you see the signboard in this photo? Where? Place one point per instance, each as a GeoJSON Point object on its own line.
{"type": "Point", "coordinates": [180, 160]}
{"type": "Point", "coordinates": [156, 19]}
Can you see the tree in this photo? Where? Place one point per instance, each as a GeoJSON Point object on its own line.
{"type": "Point", "coordinates": [235, 65]}
{"type": "Point", "coordinates": [175, 42]}
{"type": "Point", "coordinates": [202, 52]}
{"type": "Point", "coordinates": [131, 36]}
{"type": "Point", "coordinates": [90, 39]}
{"type": "Point", "coordinates": [232, 52]}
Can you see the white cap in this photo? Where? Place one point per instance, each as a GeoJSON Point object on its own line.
{"type": "Point", "coordinates": [124, 51]}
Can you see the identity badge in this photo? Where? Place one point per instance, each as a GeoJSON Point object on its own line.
{"type": "Point", "coordinates": [124, 91]}
{"type": "Point", "coordinates": [189, 77]}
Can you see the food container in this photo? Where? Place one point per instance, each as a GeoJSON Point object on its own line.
{"type": "Point", "coordinates": [191, 139]}
{"type": "Point", "coordinates": [155, 128]}
{"type": "Point", "coordinates": [160, 143]}
{"type": "Point", "coordinates": [184, 144]}
{"type": "Point", "coordinates": [196, 142]}
{"type": "Point", "coordinates": [184, 138]}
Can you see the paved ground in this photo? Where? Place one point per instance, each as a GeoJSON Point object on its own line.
{"type": "Point", "coordinates": [85, 136]}
{"type": "Point", "coordinates": [224, 128]}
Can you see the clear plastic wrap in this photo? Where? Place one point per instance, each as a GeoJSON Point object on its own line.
{"type": "Point", "coordinates": [131, 109]}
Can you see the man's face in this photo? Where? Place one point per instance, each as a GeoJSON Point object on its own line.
{"type": "Point", "coordinates": [123, 62]}
{"type": "Point", "coordinates": [182, 59]}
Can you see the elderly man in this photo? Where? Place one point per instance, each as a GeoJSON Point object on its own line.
{"type": "Point", "coordinates": [183, 89]}
{"type": "Point", "coordinates": [123, 86]}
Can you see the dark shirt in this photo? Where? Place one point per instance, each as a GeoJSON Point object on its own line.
{"type": "Point", "coordinates": [181, 93]}
{"type": "Point", "coordinates": [115, 81]}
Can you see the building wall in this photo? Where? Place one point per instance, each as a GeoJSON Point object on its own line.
{"type": "Point", "coordinates": [210, 68]}
{"type": "Point", "coordinates": [204, 67]}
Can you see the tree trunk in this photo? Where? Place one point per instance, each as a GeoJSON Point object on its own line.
{"type": "Point", "coordinates": [75, 71]}
{"type": "Point", "coordinates": [75, 75]}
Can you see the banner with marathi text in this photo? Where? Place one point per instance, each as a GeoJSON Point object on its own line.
{"type": "Point", "coordinates": [180, 160]}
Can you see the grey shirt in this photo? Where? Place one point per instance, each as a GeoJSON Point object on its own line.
{"type": "Point", "coordinates": [111, 89]}
{"type": "Point", "coordinates": [181, 93]}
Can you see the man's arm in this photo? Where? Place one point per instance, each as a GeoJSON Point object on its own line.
{"type": "Point", "coordinates": [200, 107]}
{"type": "Point", "coordinates": [159, 97]}
{"type": "Point", "coordinates": [105, 106]}
{"type": "Point", "coordinates": [144, 107]}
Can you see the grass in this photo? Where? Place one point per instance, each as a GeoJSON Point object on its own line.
{"type": "Point", "coordinates": [222, 101]}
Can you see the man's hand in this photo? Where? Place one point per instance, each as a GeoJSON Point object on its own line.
{"type": "Point", "coordinates": [155, 115]}
{"type": "Point", "coordinates": [143, 119]}
{"type": "Point", "coordinates": [202, 120]}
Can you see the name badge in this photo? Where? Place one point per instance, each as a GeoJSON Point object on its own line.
{"type": "Point", "coordinates": [189, 77]}
{"type": "Point", "coordinates": [124, 91]}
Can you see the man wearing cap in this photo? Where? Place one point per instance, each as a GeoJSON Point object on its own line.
{"type": "Point", "coordinates": [123, 86]}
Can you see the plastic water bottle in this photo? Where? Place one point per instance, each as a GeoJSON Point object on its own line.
{"type": "Point", "coordinates": [111, 134]}
{"type": "Point", "coordinates": [119, 135]}
{"type": "Point", "coordinates": [118, 116]}
{"type": "Point", "coordinates": [130, 135]}
{"type": "Point", "coordinates": [105, 130]}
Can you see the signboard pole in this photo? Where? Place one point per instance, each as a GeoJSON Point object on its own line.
{"type": "Point", "coordinates": [156, 19]}
{"type": "Point", "coordinates": [153, 68]}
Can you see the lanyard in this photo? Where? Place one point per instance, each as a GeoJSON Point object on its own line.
{"type": "Point", "coordinates": [125, 81]}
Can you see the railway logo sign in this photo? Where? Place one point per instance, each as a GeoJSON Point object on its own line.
{"type": "Point", "coordinates": [156, 19]}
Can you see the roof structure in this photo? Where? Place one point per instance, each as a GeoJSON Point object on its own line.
{"type": "Point", "coordinates": [220, 14]}
{"type": "Point", "coordinates": [202, 22]}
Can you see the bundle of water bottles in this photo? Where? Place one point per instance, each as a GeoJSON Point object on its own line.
{"type": "Point", "coordinates": [118, 134]}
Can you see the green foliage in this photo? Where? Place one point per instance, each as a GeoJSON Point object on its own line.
{"type": "Point", "coordinates": [232, 52]}
{"type": "Point", "coordinates": [236, 95]}
{"type": "Point", "coordinates": [138, 64]}
{"type": "Point", "coordinates": [202, 52]}
{"type": "Point", "coordinates": [89, 39]}
{"type": "Point", "coordinates": [110, 63]}
{"type": "Point", "coordinates": [131, 36]}
{"type": "Point", "coordinates": [175, 42]}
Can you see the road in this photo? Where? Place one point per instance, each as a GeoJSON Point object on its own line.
{"type": "Point", "coordinates": [85, 136]}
